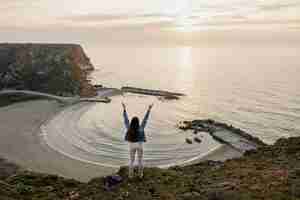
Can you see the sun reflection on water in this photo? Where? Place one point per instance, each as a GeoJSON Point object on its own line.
{"type": "Point", "coordinates": [185, 69]}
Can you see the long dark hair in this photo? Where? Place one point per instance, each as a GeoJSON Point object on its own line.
{"type": "Point", "coordinates": [133, 130]}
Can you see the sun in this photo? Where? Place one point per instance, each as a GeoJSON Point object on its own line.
{"type": "Point", "coordinates": [183, 21]}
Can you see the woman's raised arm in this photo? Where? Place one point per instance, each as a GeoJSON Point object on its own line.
{"type": "Point", "coordinates": [125, 116]}
{"type": "Point", "coordinates": [144, 122]}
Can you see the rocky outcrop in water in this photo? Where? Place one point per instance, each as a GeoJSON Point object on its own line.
{"type": "Point", "coordinates": [220, 132]}
{"type": "Point", "coordinates": [59, 69]}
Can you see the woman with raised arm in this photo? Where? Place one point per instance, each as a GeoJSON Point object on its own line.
{"type": "Point", "coordinates": [135, 136]}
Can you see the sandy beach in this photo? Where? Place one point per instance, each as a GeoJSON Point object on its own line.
{"type": "Point", "coordinates": [21, 142]}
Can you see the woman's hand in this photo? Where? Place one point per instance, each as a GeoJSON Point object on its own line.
{"type": "Point", "coordinates": [150, 106]}
{"type": "Point", "coordinates": [124, 106]}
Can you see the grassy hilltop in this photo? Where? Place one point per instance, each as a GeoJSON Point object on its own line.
{"type": "Point", "coordinates": [270, 172]}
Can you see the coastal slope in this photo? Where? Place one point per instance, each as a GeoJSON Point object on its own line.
{"type": "Point", "coordinates": [270, 172]}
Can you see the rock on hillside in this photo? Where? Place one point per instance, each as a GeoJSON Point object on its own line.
{"type": "Point", "coordinates": [59, 69]}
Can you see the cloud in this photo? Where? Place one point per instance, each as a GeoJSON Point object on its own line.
{"type": "Point", "coordinates": [114, 17]}
{"type": "Point", "coordinates": [110, 20]}
{"type": "Point", "coordinates": [278, 6]}
{"type": "Point", "coordinates": [101, 13]}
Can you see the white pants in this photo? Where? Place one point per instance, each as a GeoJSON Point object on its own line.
{"type": "Point", "coordinates": [136, 148]}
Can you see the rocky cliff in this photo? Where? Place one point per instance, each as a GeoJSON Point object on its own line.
{"type": "Point", "coordinates": [59, 69]}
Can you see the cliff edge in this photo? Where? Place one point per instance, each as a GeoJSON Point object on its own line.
{"type": "Point", "coordinates": [270, 172]}
{"type": "Point", "coordinates": [59, 69]}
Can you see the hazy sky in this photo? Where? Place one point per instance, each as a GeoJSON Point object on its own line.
{"type": "Point", "coordinates": [35, 13]}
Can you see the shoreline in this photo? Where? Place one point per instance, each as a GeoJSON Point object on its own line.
{"type": "Point", "coordinates": [21, 142]}
{"type": "Point", "coordinates": [40, 157]}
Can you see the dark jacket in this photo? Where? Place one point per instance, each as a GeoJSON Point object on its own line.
{"type": "Point", "coordinates": [141, 132]}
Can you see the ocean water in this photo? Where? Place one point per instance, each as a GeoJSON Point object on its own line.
{"type": "Point", "coordinates": [255, 88]}
{"type": "Point", "coordinates": [252, 87]}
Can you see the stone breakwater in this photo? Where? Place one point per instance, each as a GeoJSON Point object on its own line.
{"type": "Point", "coordinates": [224, 133]}
{"type": "Point", "coordinates": [161, 94]}
{"type": "Point", "coordinates": [165, 94]}
{"type": "Point", "coordinates": [59, 69]}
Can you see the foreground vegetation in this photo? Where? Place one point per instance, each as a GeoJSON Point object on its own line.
{"type": "Point", "coordinates": [270, 172]}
